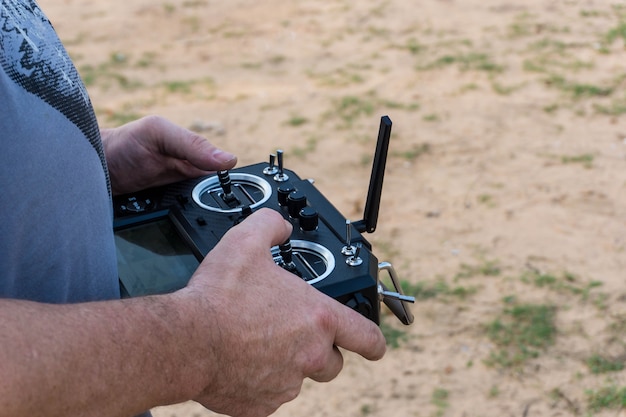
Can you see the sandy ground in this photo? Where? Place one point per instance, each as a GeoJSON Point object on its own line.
{"type": "Point", "coordinates": [507, 166]}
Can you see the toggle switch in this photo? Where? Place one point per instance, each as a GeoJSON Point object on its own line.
{"type": "Point", "coordinates": [355, 260]}
{"type": "Point", "coordinates": [281, 176]}
{"type": "Point", "coordinates": [271, 168]}
{"type": "Point", "coordinates": [348, 249]}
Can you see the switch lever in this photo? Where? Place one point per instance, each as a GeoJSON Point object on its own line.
{"type": "Point", "coordinates": [271, 168]}
{"type": "Point", "coordinates": [348, 249]}
{"type": "Point", "coordinates": [281, 176]}
{"type": "Point", "coordinates": [355, 260]}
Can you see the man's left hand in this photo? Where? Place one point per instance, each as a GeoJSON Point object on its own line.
{"type": "Point", "coordinates": [153, 151]}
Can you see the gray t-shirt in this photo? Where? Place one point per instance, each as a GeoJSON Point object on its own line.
{"type": "Point", "coordinates": [56, 238]}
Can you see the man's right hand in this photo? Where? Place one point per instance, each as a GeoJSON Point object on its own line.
{"type": "Point", "coordinates": [265, 329]}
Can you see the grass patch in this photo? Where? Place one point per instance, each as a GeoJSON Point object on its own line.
{"type": "Point", "coordinates": [578, 90]}
{"type": "Point", "coordinates": [349, 109]}
{"type": "Point", "coordinates": [121, 118]}
{"type": "Point", "coordinates": [338, 78]}
{"type": "Point", "coordinates": [425, 290]}
{"type": "Point", "coordinates": [618, 32]}
{"type": "Point", "coordinates": [599, 364]}
{"type": "Point", "coordinates": [297, 120]}
{"type": "Point", "coordinates": [303, 151]}
{"type": "Point", "coordinates": [616, 108]}
{"type": "Point", "coordinates": [414, 152]}
{"type": "Point", "coordinates": [487, 269]}
{"type": "Point", "coordinates": [432, 117]}
{"type": "Point", "coordinates": [108, 73]}
{"type": "Point", "coordinates": [565, 282]}
{"type": "Point", "coordinates": [585, 159]}
{"type": "Point", "coordinates": [471, 61]}
{"type": "Point", "coordinates": [520, 333]}
{"type": "Point", "coordinates": [607, 397]}
{"type": "Point", "coordinates": [414, 47]}
{"type": "Point", "coordinates": [440, 400]}
{"type": "Point", "coordinates": [393, 336]}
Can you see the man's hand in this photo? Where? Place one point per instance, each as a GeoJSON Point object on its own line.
{"type": "Point", "coordinates": [239, 339]}
{"type": "Point", "coordinates": [153, 151]}
{"type": "Point", "coordinates": [268, 329]}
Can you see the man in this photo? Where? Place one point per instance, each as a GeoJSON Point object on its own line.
{"type": "Point", "coordinates": [239, 339]}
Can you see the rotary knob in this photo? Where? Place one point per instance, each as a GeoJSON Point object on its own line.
{"type": "Point", "coordinates": [283, 192]}
{"type": "Point", "coordinates": [309, 219]}
{"type": "Point", "coordinates": [295, 202]}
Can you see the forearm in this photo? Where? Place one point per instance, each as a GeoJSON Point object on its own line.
{"type": "Point", "coordinates": [113, 358]}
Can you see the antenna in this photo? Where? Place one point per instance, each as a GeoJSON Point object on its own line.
{"type": "Point", "coordinates": [372, 204]}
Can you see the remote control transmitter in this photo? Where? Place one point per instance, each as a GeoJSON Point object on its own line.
{"type": "Point", "coordinates": [162, 234]}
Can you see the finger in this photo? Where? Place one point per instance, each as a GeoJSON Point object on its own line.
{"type": "Point", "coordinates": [264, 228]}
{"type": "Point", "coordinates": [359, 334]}
{"type": "Point", "coordinates": [334, 364]}
{"type": "Point", "coordinates": [186, 145]}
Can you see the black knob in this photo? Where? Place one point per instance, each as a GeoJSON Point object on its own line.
{"type": "Point", "coordinates": [283, 192]}
{"type": "Point", "coordinates": [295, 202]}
{"type": "Point", "coordinates": [309, 219]}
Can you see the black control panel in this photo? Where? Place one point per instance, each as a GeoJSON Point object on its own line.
{"type": "Point", "coordinates": [162, 234]}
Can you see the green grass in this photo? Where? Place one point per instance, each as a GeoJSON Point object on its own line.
{"type": "Point", "coordinates": [120, 118]}
{"type": "Point", "coordinates": [520, 333]}
{"type": "Point", "coordinates": [607, 397]}
{"type": "Point", "coordinates": [585, 160]}
{"type": "Point", "coordinates": [414, 152]}
{"type": "Point", "coordinates": [578, 90]}
{"type": "Point", "coordinates": [431, 289]}
{"type": "Point", "coordinates": [471, 61]}
{"type": "Point", "coordinates": [565, 282]}
{"type": "Point", "coordinates": [393, 336]}
{"type": "Point", "coordinates": [439, 399]}
{"type": "Point", "coordinates": [618, 32]}
{"type": "Point", "coordinates": [297, 120]}
{"type": "Point", "coordinates": [616, 108]}
{"type": "Point", "coordinates": [414, 47]}
{"type": "Point", "coordinates": [599, 364]}
{"type": "Point", "coordinates": [488, 268]}
{"type": "Point", "coordinates": [350, 109]}
{"type": "Point", "coordinates": [302, 151]}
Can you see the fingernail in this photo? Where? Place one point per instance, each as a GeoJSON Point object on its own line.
{"type": "Point", "coordinates": [223, 156]}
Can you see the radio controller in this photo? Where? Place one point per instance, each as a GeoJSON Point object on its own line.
{"type": "Point", "coordinates": [163, 233]}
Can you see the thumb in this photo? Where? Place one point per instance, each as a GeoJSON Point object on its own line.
{"type": "Point", "coordinates": [261, 230]}
{"type": "Point", "coordinates": [186, 145]}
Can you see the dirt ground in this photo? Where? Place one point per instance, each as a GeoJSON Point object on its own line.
{"type": "Point", "coordinates": [505, 185]}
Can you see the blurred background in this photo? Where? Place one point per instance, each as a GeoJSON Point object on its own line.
{"type": "Point", "coordinates": [504, 206]}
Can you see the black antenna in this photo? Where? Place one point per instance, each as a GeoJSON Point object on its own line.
{"type": "Point", "coordinates": [372, 204]}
